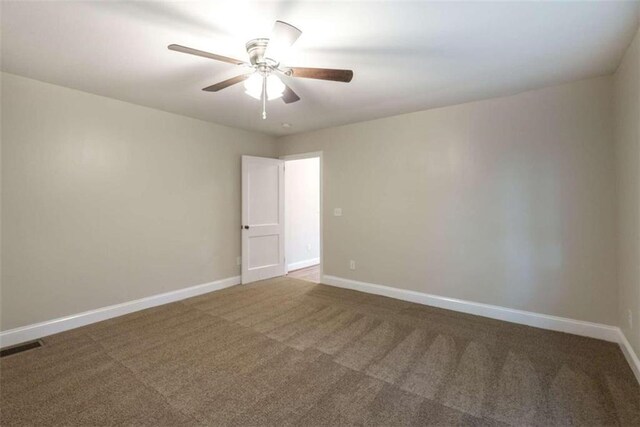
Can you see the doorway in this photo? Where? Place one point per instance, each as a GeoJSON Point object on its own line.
{"type": "Point", "coordinates": [303, 223]}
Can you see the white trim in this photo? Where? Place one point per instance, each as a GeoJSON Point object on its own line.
{"type": "Point", "coordinates": [544, 321]}
{"type": "Point", "coordinates": [630, 355]}
{"type": "Point", "coordinates": [303, 264]}
{"type": "Point", "coordinates": [43, 329]}
{"type": "Point", "coordinates": [301, 156]}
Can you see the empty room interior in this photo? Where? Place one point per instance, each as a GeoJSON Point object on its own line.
{"type": "Point", "coordinates": [320, 213]}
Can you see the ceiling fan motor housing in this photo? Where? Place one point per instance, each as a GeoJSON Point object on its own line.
{"type": "Point", "coordinates": [256, 49]}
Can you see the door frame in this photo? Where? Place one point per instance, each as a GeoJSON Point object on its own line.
{"type": "Point", "coordinates": [300, 156]}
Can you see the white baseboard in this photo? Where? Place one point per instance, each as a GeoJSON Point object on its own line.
{"type": "Point", "coordinates": [303, 264]}
{"type": "Point", "coordinates": [43, 329]}
{"type": "Point", "coordinates": [544, 321]}
{"type": "Point", "coordinates": [630, 355]}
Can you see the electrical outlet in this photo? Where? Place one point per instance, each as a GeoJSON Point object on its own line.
{"type": "Point", "coordinates": [238, 260]}
{"type": "Point", "coordinates": [309, 247]}
{"type": "Point", "coordinates": [337, 211]}
{"type": "Point", "coordinates": [352, 265]}
{"type": "Point", "coordinates": [630, 319]}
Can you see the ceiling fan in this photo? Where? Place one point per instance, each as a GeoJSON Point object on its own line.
{"type": "Point", "coordinates": [261, 79]}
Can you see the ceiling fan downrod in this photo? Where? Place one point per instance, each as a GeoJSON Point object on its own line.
{"type": "Point", "coordinates": [264, 97]}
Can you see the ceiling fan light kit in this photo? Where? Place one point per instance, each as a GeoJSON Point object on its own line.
{"type": "Point", "coordinates": [263, 83]}
{"type": "Point", "coordinates": [253, 86]}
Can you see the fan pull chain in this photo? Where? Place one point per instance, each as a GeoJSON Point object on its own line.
{"type": "Point", "coordinates": [264, 98]}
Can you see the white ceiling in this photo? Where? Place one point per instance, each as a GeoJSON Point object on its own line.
{"type": "Point", "coordinates": [406, 56]}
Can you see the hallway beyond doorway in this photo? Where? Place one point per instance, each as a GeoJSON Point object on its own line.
{"type": "Point", "coordinates": [310, 274]}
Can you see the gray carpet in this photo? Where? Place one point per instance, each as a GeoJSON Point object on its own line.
{"type": "Point", "coordinates": [289, 352]}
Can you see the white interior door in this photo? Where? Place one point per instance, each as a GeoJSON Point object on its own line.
{"type": "Point", "coordinates": [262, 218]}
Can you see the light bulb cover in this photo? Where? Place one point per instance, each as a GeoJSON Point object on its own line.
{"type": "Point", "coordinates": [253, 86]}
{"type": "Point", "coordinates": [275, 87]}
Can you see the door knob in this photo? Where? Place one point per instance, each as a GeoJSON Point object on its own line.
{"type": "Point", "coordinates": [246, 227]}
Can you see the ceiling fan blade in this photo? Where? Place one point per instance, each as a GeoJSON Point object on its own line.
{"type": "Point", "coordinates": [191, 51]}
{"type": "Point", "coordinates": [322, 74]}
{"type": "Point", "coordinates": [226, 83]}
{"type": "Point", "coordinates": [283, 36]}
{"type": "Point", "coordinates": [289, 96]}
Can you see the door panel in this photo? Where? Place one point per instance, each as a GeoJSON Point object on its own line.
{"type": "Point", "coordinates": [262, 253]}
{"type": "Point", "coordinates": [262, 218]}
{"type": "Point", "coordinates": [264, 199]}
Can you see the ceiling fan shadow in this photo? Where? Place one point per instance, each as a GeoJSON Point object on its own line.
{"type": "Point", "coordinates": [379, 51]}
{"type": "Point", "coordinates": [284, 9]}
{"type": "Point", "coordinates": [196, 73]}
{"type": "Point", "coordinates": [165, 14]}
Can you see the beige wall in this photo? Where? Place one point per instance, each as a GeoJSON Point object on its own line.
{"type": "Point", "coordinates": [508, 201]}
{"type": "Point", "coordinates": [627, 132]}
{"type": "Point", "coordinates": [105, 202]}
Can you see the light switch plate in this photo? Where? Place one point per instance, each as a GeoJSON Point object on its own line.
{"type": "Point", "coordinates": [337, 211]}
